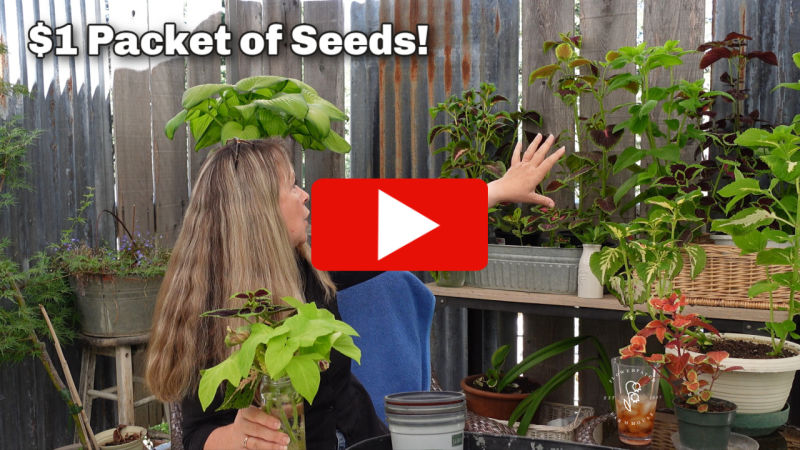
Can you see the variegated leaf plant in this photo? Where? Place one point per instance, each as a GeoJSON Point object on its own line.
{"type": "Point", "coordinates": [651, 252]}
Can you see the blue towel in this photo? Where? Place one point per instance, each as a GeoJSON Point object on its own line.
{"type": "Point", "coordinates": [392, 313]}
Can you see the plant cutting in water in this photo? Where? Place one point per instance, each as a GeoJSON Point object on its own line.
{"type": "Point", "coordinates": [274, 345]}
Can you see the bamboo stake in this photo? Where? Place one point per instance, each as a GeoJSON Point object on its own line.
{"type": "Point", "coordinates": [84, 421]}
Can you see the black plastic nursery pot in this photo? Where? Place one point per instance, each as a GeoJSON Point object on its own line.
{"type": "Point", "coordinates": [708, 430]}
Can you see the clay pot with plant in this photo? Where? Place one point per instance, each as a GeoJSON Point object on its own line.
{"type": "Point", "coordinates": [510, 395]}
{"type": "Point", "coordinates": [279, 356]}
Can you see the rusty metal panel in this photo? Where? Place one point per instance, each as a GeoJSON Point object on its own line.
{"type": "Point", "coordinates": [364, 119]}
{"type": "Point", "coordinates": [774, 26]}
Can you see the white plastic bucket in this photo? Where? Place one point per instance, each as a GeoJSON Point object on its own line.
{"type": "Point", "coordinates": [425, 420]}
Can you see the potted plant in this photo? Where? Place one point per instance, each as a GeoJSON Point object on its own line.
{"type": "Point", "coordinates": [480, 143]}
{"type": "Point", "coordinates": [650, 251]}
{"type": "Point", "coordinates": [258, 107]}
{"type": "Point", "coordinates": [703, 421]}
{"type": "Point", "coordinates": [508, 395]}
{"type": "Point", "coordinates": [768, 216]}
{"type": "Point", "coordinates": [278, 360]}
{"type": "Point", "coordinates": [115, 288]}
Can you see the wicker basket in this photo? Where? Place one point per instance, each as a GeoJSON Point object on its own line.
{"type": "Point", "coordinates": [606, 425]}
{"type": "Point", "coordinates": [726, 279]}
{"type": "Point", "coordinates": [549, 411]}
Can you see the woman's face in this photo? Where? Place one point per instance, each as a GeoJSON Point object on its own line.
{"type": "Point", "coordinates": [293, 210]}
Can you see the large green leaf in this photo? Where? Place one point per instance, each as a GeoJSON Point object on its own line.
{"type": "Point", "coordinates": [336, 143]}
{"type": "Point", "coordinates": [280, 350]}
{"type": "Point", "coordinates": [234, 130]}
{"type": "Point", "coordinates": [259, 82]}
{"type": "Point", "coordinates": [312, 98]}
{"type": "Point", "coordinates": [210, 137]}
{"type": "Point", "coordinates": [197, 94]}
{"type": "Point", "coordinates": [318, 121]}
{"type": "Point", "coordinates": [697, 259]}
{"type": "Point", "coordinates": [272, 123]}
{"type": "Point", "coordinates": [304, 374]}
{"type": "Point", "coordinates": [292, 104]}
{"type": "Point", "coordinates": [744, 221]}
{"type": "Point", "coordinates": [344, 344]}
{"type": "Point", "coordinates": [174, 123]}
{"type": "Point", "coordinates": [775, 256]}
{"type": "Point", "coordinates": [760, 287]}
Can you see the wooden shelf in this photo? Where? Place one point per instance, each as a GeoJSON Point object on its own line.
{"type": "Point", "coordinates": [525, 300]}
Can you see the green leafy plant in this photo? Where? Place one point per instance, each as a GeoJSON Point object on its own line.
{"type": "Point", "coordinates": [650, 252]}
{"type": "Point", "coordinates": [770, 216]}
{"type": "Point", "coordinates": [480, 133]}
{"type": "Point", "coordinates": [259, 107]}
{"type": "Point", "coordinates": [691, 376]}
{"type": "Point", "coordinates": [680, 104]}
{"type": "Point", "coordinates": [22, 291]}
{"type": "Point", "coordinates": [497, 379]}
{"type": "Point", "coordinates": [137, 256]}
{"type": "Point", "coordinates": [271, 344]}
{"type": "Point", "coordinates": [723, 155]}
{"type": "Point", "coordinates": [588, 170]}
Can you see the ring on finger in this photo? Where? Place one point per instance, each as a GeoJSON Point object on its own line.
{"type": "Point", "coordinates": [244, 442]}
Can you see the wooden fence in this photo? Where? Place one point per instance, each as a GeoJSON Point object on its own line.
{"type": "Point", "coordinates": [102, 120]}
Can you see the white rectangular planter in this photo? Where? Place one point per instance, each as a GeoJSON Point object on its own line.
{"type": "Point", "coordinates": [529, 269]}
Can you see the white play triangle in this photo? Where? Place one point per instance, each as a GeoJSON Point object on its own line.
{"type": "Point", "coordinates": [398, 225]}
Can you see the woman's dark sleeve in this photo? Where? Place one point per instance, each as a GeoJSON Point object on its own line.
{"type": "Point", "coordinates": [344, 280]}
{"type": "Point", "coordinates": [198, 424]}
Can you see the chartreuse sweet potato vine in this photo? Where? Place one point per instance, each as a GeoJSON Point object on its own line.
{"type": "Point", "coordinates": [298, 346]}
{"type": "Point", "coordinates": [259, 107]}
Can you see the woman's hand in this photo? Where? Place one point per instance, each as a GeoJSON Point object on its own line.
{"type": "Point", "coordinates": [252, 429]}
{"type": "Point", "coordinates": [526, 172]}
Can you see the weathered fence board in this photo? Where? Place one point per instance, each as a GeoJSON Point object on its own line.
{"type": "Point", "coordinates": [169, 156]}
{"type": "Point", "coordinates": [326, 75]}
{"type": "Point", "coordinates": [469, 41]}
{"type": "Point", "coordinates": [201, 70]}
{"type": "Point", "coordinates": [543, 22]}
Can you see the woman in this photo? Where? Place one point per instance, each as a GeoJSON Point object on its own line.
{"type": "Point", "coordinates": [244, 229]}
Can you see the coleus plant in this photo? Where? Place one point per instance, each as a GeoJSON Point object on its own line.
{"type": "Point", "coordinates": [650, 252]}
{"type": "Point", "coordinates": [297, 346]}
{"type": "Point", "coordinates": [480, 133]}
{"type": "Point", "coordinates": [690, 372]}
{"type": "Point", "coordinates": [728, 122]}
{"type": "Point", "coordinates": [259, 107]}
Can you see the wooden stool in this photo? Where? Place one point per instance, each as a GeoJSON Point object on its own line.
{"type": "Point", "coordinates": [120, 349]}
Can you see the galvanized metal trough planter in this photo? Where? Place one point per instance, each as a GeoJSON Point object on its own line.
{"type": "Point", "coordinates": [529, 269]}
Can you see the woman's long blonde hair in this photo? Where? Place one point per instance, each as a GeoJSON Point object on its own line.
{"type": "Point", "coordinates": [233, 239]}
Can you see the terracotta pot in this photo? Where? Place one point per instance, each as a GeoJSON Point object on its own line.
{"type": "Point", "coordinates": [489, 404]}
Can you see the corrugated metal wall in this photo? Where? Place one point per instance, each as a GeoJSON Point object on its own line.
{"type": "Point", "coordinates": [99, 129]}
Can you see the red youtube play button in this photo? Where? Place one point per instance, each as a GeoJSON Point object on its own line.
{"type": "Point", "coordinates": [399, 224]}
